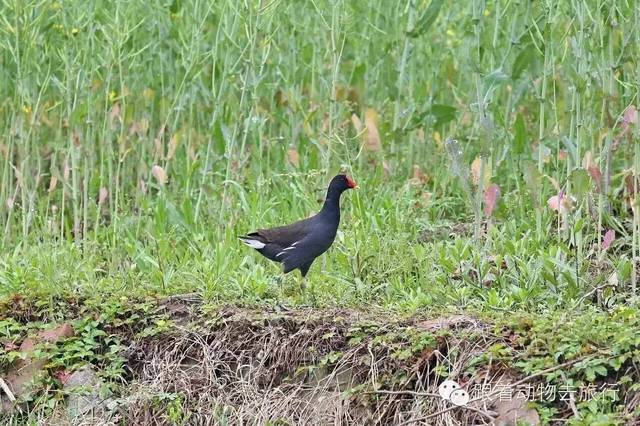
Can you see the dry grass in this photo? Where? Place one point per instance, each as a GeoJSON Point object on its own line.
{"type": "Point", "coordinates": [301, 367]}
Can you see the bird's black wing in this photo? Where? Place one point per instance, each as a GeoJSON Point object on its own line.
{"type": "Point", "coordinates": [284, 236]}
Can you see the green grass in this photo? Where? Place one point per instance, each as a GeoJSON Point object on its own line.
{"type": "Point", "coordinates": [217, 94]}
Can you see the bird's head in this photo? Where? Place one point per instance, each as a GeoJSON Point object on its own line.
{"type": "Point", "coordinates": [342, 183]}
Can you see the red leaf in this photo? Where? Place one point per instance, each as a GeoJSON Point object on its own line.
{"type": "Point", "coordinates": [63, 376]}
{"type": "Point", "coordinates": [596, 175]}
{"type": "Point", "coordinates": [630, 116]}
{"type": "Point", "coordinates": [491, 197]}
{"type": "Point", "coordinates": [609, 236]}
{"type": "Point", "coordinates": [561, 202]}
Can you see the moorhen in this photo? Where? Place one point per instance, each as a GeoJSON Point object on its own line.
{"type": "Point", "coordinates": [296, 246]}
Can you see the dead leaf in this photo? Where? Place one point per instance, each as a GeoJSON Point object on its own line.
{"type": "Point", "coordinates": [115, 115]}
{"type": "Point", "coordinates": [562, 155]}
{"type": "Point", "coordinates": [52, 335]}
{"type": "Point", "coordinates": [66, 172]}
{"type": "Point", "coordinates": [139, 127]}
{"type": "Point", "coordinates": [475, 170]}
{"type": "Point", "coordinates": [419, 178]}
{"type": "Point", "coordinates": [587, 160]}
{"type": "Point", "coordinates": [158, 145]}
{"type": "Point", "coordinates": [280, 98]}
{"type": "Point", "coordinates": [159, 173]}
{"type": "Point", "coordinates": [357, 124]}
{"type": "Point", "coordinates": [293, 157]}
{"type": "Point", "coordinates": [629, 184]}
{"type": "Point", "coordinates": [53, 183]}
{"type": "Point", "coordinates": [386, 168]}
{"type": "Point", "coordinates": [426, 197]}
{"type": "Point", "coordinates": [173, 145]}
{"type": "Point", "coordinates": [75, 138]}
{"type": "Point", "coordinates": [102, 195]}
{"type": "Point", "coordinates": [325, 123]}
{"type": "Point", "coordinates": [491, 197]}
{"type": "Point", "coordinates": [10, 203]}
{"type": "Point", "coordinates": [347, 93]}
{"type": "Point", "coordinates": [372, 136]}
{"type": "Point", "coordinates": [191, 152]}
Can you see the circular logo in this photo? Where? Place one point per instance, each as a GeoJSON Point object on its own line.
{"type": "Point", "coordinates": [459, 397]}
{"type": "Point", "coordinates": [446, 388]}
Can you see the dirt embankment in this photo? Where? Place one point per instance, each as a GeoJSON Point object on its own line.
{"type": "Point", "coordinates": [204, 365]}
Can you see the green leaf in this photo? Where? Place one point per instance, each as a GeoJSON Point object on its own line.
{"type": "Point", "coordinates": [524, 60]}
{"type": "Point", "coordinates": [443, 114]}
{"type": "Point", "coordinates": [520, 134]}
{"type": "Point", "coordinates": [601, 370]}
{"type": "Point", "coordinates": [496, 78]}
{"type": "Point", "coordinates": [533, 179]}
{"type": "Point", "coordinates": [426, 19]}
{"type": "Point", "coordinates": [590, 374]}
{"type": "Point", "coordinates": [175, 6]}
{"type": "Point", "coordinates": [580, 182]}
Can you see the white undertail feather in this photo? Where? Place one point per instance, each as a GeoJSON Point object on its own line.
{"type": "Point", "coordinates": [288, 248]}
{"type": "Point", "coordinates": [252, 243]}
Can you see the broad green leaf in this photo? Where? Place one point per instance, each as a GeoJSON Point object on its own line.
{"type": "Point", "coordinates": [443, 113]}
{"type": "Point", "coordinates": [495, 78]}
{"type": "Point", "coordinates": [427, 19]}
{"type": "Point", "coordinates": [579, 179]}
{"type": "Point", "coordinates": [520, 134]}
{"type": "Point", "coordinates": [523, 61]}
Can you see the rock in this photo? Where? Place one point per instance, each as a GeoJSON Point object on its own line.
{"type": "Point", "coordinates": [514, 412]}
{"type": "Point", "coordinates": [83, 387]}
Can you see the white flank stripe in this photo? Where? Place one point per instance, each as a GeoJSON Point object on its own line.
{"type": "Point", "coordinates": [253, 243]}
{"type": "Point", "coordinates": [288, 248]}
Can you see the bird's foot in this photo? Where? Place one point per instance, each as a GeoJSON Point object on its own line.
{"type": "Point", "coordinates": [281, 308]}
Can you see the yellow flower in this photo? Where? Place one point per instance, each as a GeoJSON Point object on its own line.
{"type": "Point", "coordinates": [112, 95]}
{"type": "Point", "coordinates": [74, 31]}
{"type": "Point", "coordinates": [486, 12]}
{"type": "Point", "coordinates": [26, 109]}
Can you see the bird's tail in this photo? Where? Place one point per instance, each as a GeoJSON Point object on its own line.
{"type": "Point", "coordinates": [252, 242]}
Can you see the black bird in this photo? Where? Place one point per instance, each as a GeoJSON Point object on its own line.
{"type": "Point", "coordinates": [296, 246]}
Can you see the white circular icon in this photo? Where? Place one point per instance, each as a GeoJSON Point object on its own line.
{"type": "Point", "coordinates": [459, 397]}
{"type": "Point", "coordinates": [446, 388]}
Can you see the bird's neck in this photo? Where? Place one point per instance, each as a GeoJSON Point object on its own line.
{"type": "Point", "coordinates": [331, 207]}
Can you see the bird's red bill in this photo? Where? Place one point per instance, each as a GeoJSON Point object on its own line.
{"type": "Point", "coordinates": [351, 183]}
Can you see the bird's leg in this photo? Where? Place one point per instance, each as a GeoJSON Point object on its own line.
{"type": "Point", "coordinates": [279, 280]}
{"type": "Point", "coordinates": [280, 306]}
